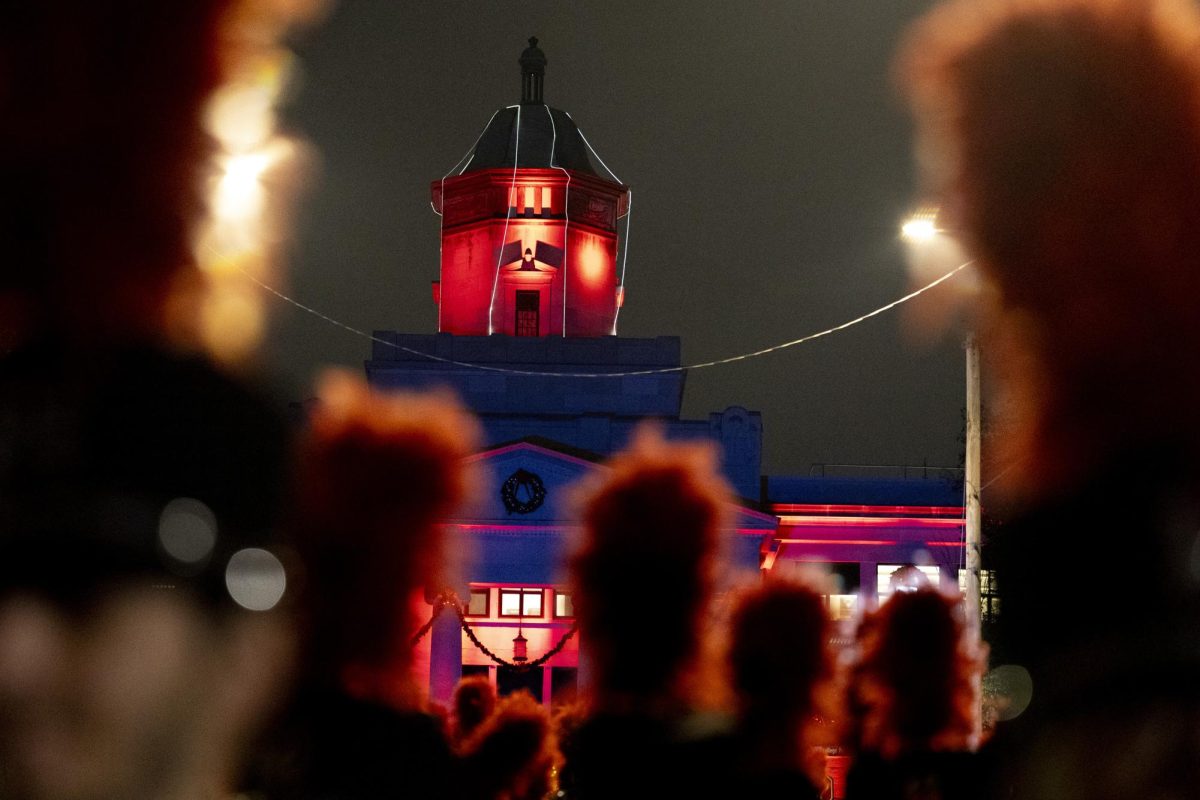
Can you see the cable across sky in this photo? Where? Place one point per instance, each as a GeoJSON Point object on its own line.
{"type": "Point", "coordinates": [628, 373]}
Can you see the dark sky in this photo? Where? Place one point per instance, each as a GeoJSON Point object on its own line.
{"type": "Point", "coordinates": [768, 154]}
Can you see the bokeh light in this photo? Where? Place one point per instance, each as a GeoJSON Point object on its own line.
{"type": "Point", "coordinates": [255, 579]}
{"type": "Point", "coordinates": [187, 531]}
{"type": "Point", "coordinates": [1012, 687]}
{"type": "Point", "coordinates": [252, 180]}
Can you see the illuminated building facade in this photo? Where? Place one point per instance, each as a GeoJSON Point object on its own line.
{"type": "Point", "coordinates": [529, 289]}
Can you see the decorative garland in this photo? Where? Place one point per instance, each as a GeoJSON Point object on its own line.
{"type": "Point", "coordinates": [449, 599]}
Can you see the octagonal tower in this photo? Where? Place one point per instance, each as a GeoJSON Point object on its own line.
{"type": "Point", "coordinates": [529, 229]}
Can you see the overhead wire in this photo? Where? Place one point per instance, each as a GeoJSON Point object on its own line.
{"type": "Point", "coordinates": [566, 214]}
{"type": "Point", "coordinates": [507, 217]}
{"type": "Point", "coordinates": [628, 219]}
{"type": "Point", "coordinates": [623, 373]}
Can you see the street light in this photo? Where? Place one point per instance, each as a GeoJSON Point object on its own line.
{"type": "Point", "coordinates": [921, 230]}
{"type": "Point", "coordinates": [921, 227]}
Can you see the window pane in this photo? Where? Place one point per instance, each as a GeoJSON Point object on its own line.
{"type": "Point", "coordinates": [845, 576]}
{"type": "Point", "coordinates": [533, 604]}
{"type": "Point", "coordinates": [841, 606]}
{"type": "Point", "coordinates": [563, 607]}
{"type": "Point", "coordinates": [478, 606]}
{"type": "Point", "coordinates": [510, 603]}
{"type": "Point", "coordinates": [884, 573]}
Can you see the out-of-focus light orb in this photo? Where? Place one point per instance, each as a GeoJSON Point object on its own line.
{"type": "Point", "coordinates": [242, 116]}
{"type": "Point", "coordinates": [1013, 685]}
{"type": "Point", "coordinates": [187, 531]}
{"type": "Point", "coordinates": [239, 193]}
{"type": "Point", "coordinates": [255, 579]}
{"type": "Point", "coordinates": [231, 321]}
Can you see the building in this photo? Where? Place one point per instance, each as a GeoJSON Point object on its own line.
{"type": "Point", "coordinates": [529, 296]}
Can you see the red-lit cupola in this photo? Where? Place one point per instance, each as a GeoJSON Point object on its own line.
{"type": "Point", "coordinates": [529, 230]}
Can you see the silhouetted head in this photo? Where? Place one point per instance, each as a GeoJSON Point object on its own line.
{"type": "Point", "coordinates": [513, 754]}
{"type": "Point", "coordinates": [377, 472]}
{"type": "Point", "coordinates": [1061, 137]}
{"type": "Point", "coordinates": [474, 702]}
{"type": "Point", "coordinates": [916, 683]}
{"type": "Point", "coordinates": [779, 651]}
{"type": "Point", "coordinates": [643, 575]}
{"type": "Point", "coordinates": [101, 157]}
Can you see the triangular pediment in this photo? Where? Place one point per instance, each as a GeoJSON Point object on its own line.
{"type": "Point", "coordinates": [517, 473]}
{"type": "Point", "coordinates": [528, 484]}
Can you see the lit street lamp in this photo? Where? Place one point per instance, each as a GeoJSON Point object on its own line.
{"type": "Point", "coordinates": [921, 230]}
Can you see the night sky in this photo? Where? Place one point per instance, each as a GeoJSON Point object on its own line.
{"type": "Point", "coordinates": [768, 152]}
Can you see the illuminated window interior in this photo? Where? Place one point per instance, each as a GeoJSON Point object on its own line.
{"type": "Point", "coordinates": [547, 200]}
{"type": "Point", "coordinates": [842, 606]}
{"type": "Point", "coordinates": [520, 602]}
{"type": "Point", "coordinates": [843, 577]}
{"type": "Point", "coordinates": [563, 607]}
{"type": "Point", "coordinates": [884, 573]}
{"type": "Point", "coordinates": [477, 606]}
{"type": "Point", "coordinates": [989, 599]}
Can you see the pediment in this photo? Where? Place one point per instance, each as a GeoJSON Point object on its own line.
{"type": "Point", "coordinates": [528, 466]}
{"type": "Point", "coordinates": [528, 484]}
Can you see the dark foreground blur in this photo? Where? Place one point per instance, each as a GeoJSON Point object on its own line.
{"type": "Point", "coordinates": [198, 600]}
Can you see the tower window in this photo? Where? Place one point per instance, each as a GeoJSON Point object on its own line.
{"type": "Point", "coordinates": [527, 321]}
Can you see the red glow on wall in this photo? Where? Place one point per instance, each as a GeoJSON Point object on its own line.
{"type": "Point", "coordinates": [510, 528]}
{"type": "Point", "coordinates": [592, 262]}
{"type": "Point", "coordinates": [870, 522]}
{"type": "Point", "coordinates": [870, 542]}
{"type": "Point", "coordinates": [867, 510]}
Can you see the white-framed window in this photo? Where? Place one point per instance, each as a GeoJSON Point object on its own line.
{"type": "Point", "coordinates": [521, 602]}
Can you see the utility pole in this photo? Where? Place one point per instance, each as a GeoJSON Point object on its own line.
{"type": "Point", "coordinates": [974, 518]}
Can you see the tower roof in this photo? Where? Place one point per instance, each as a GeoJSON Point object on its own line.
{"type": "Point", "coordinates": [546, 137]}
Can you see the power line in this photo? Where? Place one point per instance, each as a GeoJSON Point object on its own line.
{"type": "Point", "coordinates": [629, 373]}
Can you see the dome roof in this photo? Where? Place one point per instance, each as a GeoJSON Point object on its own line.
{"type": "Point", "coordinates": [547, 138]}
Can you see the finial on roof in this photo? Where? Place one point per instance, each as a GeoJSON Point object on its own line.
{"type": "Point", "coordinates": [533, 71]}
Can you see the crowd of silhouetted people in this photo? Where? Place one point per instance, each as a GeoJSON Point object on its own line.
{"type": "Point", "coordinates": [200, 600]}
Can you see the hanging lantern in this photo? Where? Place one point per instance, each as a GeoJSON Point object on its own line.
{"type": "Point", "coordinates": [520, 649]}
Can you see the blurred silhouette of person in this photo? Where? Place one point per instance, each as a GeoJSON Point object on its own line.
{"type": "Point", "coordinates": [474, 702]}
{"type": "Point", "coordinates": [642, 581]}
{"type": "Point", "coordinates": [143, 589]}
{"type": "Point", "coordinates": [512, 755]}
{"type": "Point", "coordinates": [567, 719]}
{"type": "Point", "coordinates": [1062, 136]}
{"type": "Point", "coordinates": [142, 642]}
{"type": "Point", "coordinates": [782, 672]}
{"type": "Point", "coordinates": [916, 693]}
{"type": "Point", "coordinates": [376, 474]}
{"type": "Point", "coordinates": [101, 158]}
